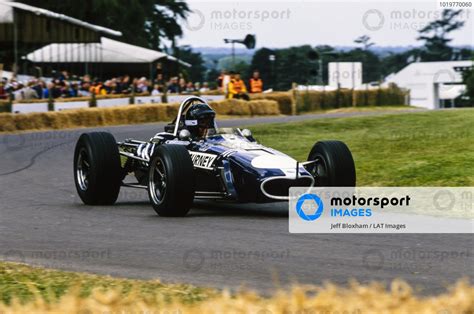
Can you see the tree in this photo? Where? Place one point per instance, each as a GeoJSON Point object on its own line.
{"type": "Point", "coordinates": [468, 78]}
{"type": "Point", "coordinates": [394, 62]}
{"type": "Point", "coordinates": [142, 22]}
{"type": "Point", "coordinates": [164, 22]}
{"type": "Point", "coordinates": [435, 36]}
{"type": "Point", "coordinates": [196, 72]}
{"type": "Point", "coordinates": [292, 65]}
{"type": "Point", "coordinates": [371, 65]}
{"type": "Point", "coordinates": [364, 40]}
{"type": "Point", "coordinates": [261, 62]}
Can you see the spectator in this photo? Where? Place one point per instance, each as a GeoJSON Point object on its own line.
{"type": "Point", "coordinates": [124, 85]}
{"type": "Point", "coordinates": [30, 92]}
{"type": "Point", "coordinates": [189, 88]}
{"type": "Point", "coordinates": [173, 86]}
{"type": "Point", "coordinates": [182, 85]}
{"type": "Point", "coordinates": [237, 88]}
{"type": "Point", "coordinates": [156, 90]}
{"type": "Point", "coordinates": [52, 91]}
{"type": "Point", "coordinates": [64, 89]}
{"type": "Point", "coordinates": [223, 81]}
{"type": "Point", "coordinates": [256, 84]}
{"type": "Point", "coordinates": [74, 89]}
{"type": "Point", "coordinates": [108, 87]}
{"type": "Point", "coordinates": [38, 86]}
{"type": "Point", "coordinates": [142, 85]}
{"type": "Point", "coordinates": [65, 85]}
{"type": "Point", "coordinates": [3, 91]}
{"type": "Point", "coordinates": [98, 88]}
{"type": "Point", "coordinates": [84, 90]}
{"type": "Point", "coordinates": [204, 88]}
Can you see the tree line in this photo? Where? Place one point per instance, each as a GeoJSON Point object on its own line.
{"type": "Point", "coordinates": [153, 23]}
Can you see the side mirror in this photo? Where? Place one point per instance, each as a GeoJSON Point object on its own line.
{"type": "Point", "coordinates": [246, 132]}
{"type": "Point", "coordinates": [248, 135]}
{"type": "Point", "coordinates": [184, 135]}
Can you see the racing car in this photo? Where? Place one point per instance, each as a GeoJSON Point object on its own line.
{"type": "Point", "coordinates": [194, 159]}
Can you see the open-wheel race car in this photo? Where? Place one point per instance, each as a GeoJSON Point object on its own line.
{"type": "Point", "coordinates": [194, 159]}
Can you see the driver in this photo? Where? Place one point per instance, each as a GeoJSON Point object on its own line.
{"type": "Point", "coordinates": [199, 119]}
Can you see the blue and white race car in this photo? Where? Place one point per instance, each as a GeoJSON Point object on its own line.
{"type": "Point", "coordinates": [194, 159]}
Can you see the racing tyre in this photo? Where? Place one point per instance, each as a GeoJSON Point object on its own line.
{"type": "Point", "coordinates": [97, 169]}
{"type": "Point", "coordinates": [334, 164]}
{"type": "Point", "coordinates": [171, 181]}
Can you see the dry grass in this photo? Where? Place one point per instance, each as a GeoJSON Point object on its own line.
{"type": "Point", "coordinates": [284, 99]}
{"type": "Point", "coordinates": [33, 290]}
{"type": "Point", "coordinates": [132, 114]}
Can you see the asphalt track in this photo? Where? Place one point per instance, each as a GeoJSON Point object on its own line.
{"type": "Point", "coordinates": [43, 222]}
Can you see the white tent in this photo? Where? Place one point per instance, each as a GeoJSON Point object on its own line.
{"type": "Point", "coordinates": [430, 82]}
{"type": "Point", "coordinates": [107, 51]}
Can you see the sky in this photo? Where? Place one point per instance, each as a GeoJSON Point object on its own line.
{"type": "Point", "coordinates": [280, 24]}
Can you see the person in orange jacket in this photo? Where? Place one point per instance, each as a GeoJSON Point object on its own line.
{"type": "Point", "coordinates": [236, 88]}
{"type": "Point", "coordinates": [256, 84]}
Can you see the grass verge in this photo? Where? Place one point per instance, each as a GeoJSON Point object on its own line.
{"type": "Point", "coordinates": [430, 148]}
{"type": "Point", "coordinates": [25, 289]}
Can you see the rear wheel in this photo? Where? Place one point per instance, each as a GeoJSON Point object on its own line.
{"type": "Point", "coordinates": [97, 170]}
{"type": "Point", "coordinates": [171, 181]}
{"type": "Point", "coordinates": [333, 166]}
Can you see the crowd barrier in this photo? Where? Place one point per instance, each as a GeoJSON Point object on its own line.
{"type": "Point", "coordinates": [100, 102]}
{"type": "Point", "coordinates": [120, 115]}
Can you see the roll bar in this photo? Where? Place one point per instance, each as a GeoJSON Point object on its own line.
{"type": "Point", "coordinates": [184, 105]}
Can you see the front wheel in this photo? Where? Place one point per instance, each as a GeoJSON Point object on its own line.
{"type": "Point", "coordinates": [171, 180]}
{"type": "Point", "coordinates": [97, 169]}
{"type": "Point", "coordinates": [333, 164]}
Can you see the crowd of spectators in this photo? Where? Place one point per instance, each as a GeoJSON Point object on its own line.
{"type": "Point", "coordinates": [66, 86]}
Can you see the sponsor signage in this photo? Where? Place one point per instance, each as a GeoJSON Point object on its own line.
{"type": "Point", "coordinates": [203, 160]}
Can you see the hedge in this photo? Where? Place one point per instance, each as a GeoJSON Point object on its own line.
{"type": "Point", "coordinates": [295, 101]}
{"type": "Point", "coordinates": [318, 100]}
{"type": "Point", "coordinates": [92, 117]}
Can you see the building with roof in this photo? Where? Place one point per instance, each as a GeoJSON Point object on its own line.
{"type": "Point", "coordinates": [432, 85]}
{"type": "Point", "coordinates": [24, 28]}
{"type": "Point", "coordinates": [112, 57]}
